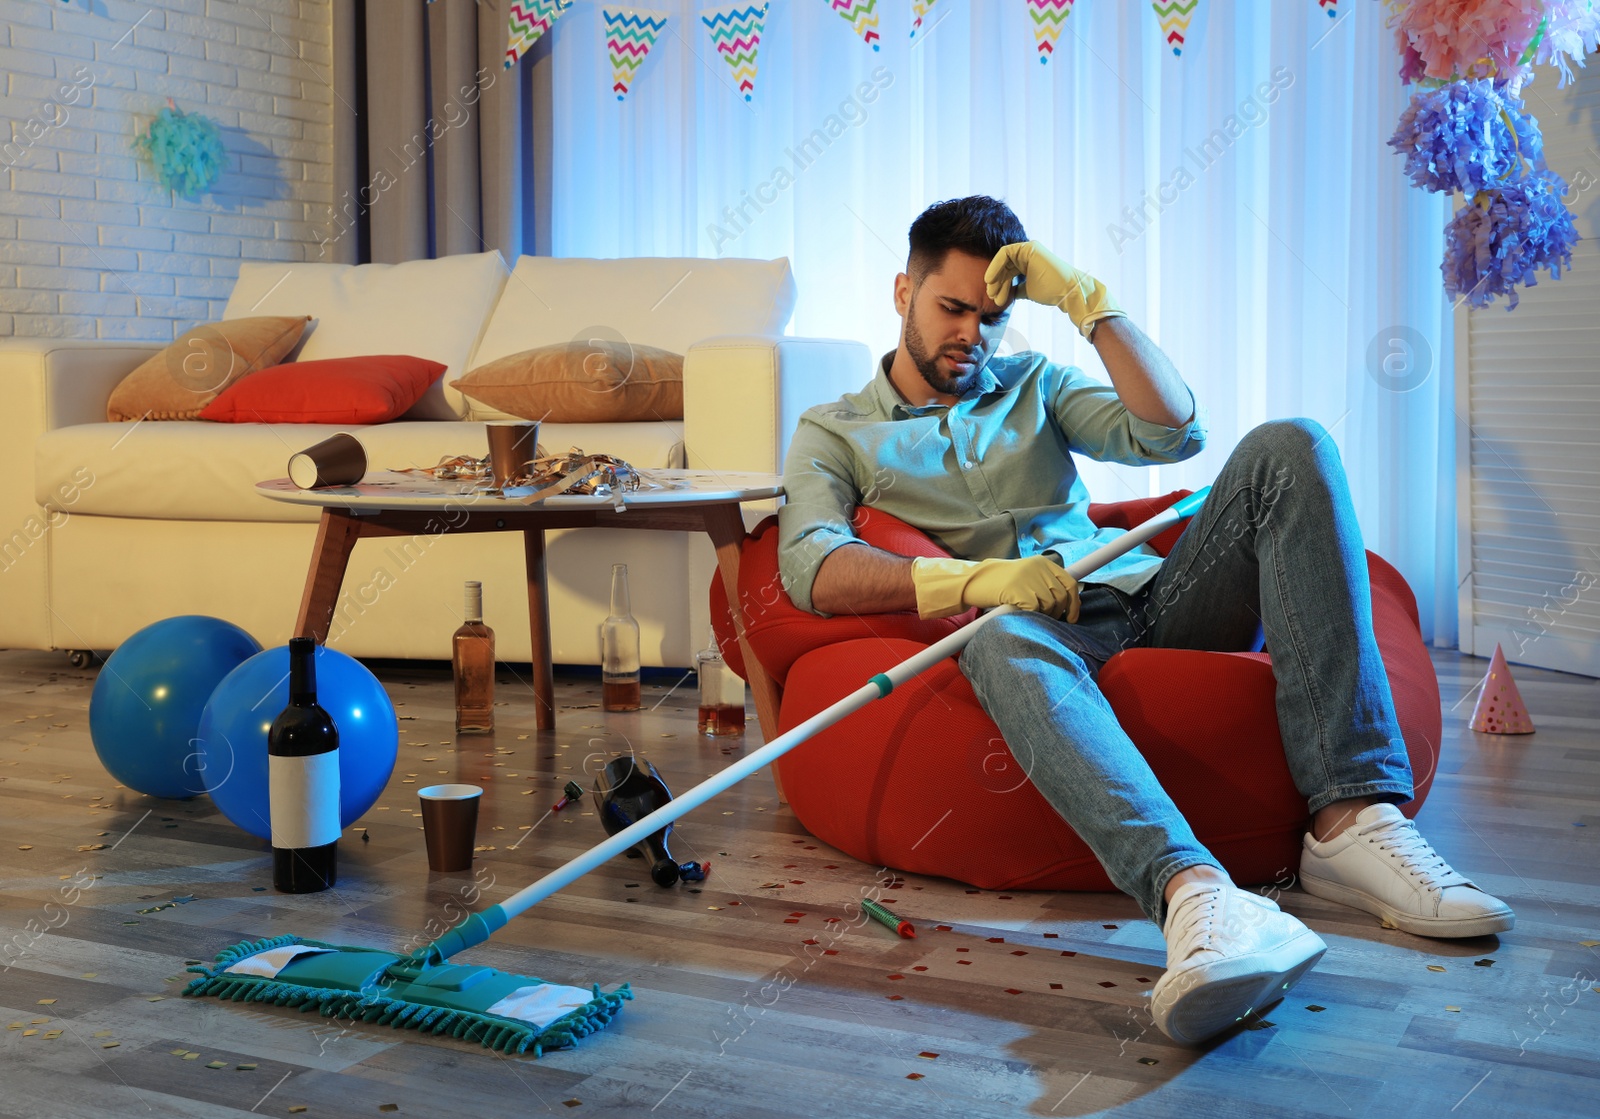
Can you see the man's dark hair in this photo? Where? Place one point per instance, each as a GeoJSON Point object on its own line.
{"type": "Point", "coordinates": [977, 224]}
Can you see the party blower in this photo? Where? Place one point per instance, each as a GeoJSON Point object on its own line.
{"type": "Point", "coordinates": [515, 1013]}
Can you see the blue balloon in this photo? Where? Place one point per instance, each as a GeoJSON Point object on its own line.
{"type": "Point", "coordinates": [232, 740]}
{"type": "Point", "coordinates": [148, 697]}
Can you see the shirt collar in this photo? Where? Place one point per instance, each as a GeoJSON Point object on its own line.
{"type": "Point", "coordinates": [890, 400]}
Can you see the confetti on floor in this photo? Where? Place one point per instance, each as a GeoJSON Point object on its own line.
{"type": "Point", "coordinates": [927, 1056]}
{"type": "Point", "coordinates": [572, 1103]}
{"type": "Point", "coordinates": [1453, 1009]}
{"type": "Point", "coordinates": [1483, 963]}
{"type": "Point", "coordinates": [1315, 1009]}
{"type": "Point", "coordinates": [1435, 967]}
{"type": "Point", "coordinates": [388, 1107]}
{"type": "Point", "coordinates": [216, 1064]}
{"type": "Point", "coordinates": [1148, 1061]}
{"type": "Point", "coordinates": [297, 1109]}
{"type": "Point", "coordinates": [913, 1076]}
{"type": "Point", "coordinates": [244, 1068]}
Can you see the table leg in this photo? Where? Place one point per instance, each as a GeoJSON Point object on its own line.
{"type": "Point", "coordinates": [725, 526]}
{"type": "Point", "coordinates": [544, 684]}
{"type": "Point", "coordinates": [336, 538]}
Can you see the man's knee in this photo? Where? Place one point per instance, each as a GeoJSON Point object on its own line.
{"type": "Point", "coordinates": [1296, 439]}
{"type": "Point", "coordinates": [1021, 637]}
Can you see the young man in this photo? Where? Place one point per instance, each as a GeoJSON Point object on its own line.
{"type": "Point", "coordinates": [976, 450]}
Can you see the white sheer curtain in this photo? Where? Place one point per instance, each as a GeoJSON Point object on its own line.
{"type": "Point", "coordinates": [1239, 201]}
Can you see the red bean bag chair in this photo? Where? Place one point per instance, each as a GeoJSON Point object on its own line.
{"type": "Point", "coordinates": [922, 781]}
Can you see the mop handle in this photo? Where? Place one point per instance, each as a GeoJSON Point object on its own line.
{"type": "Point", "coordinates": [480, 926]}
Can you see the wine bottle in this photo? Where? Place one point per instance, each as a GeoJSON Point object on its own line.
{"type": "Point", "coordinates": [303, 782]}
{"type": "Point", "coordinates": [721, 693]}
{"type": "Point", "coordinates": [472, 660]}
{"type": "Point", "coordinates": [627, 790]}
{"type": "Point", "coordinates": [619, 649]}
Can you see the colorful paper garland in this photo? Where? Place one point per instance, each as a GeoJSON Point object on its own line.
{"type": "Point", "coordinates": [630, 33]}
{"type": "Point", "coordinates": [861, 15]}
{"type": "Point", "coordinates": [526, 21]}
{"type": "Point", "coordinates": [1048, 16]}
{"type": "Point", "coordinates": [736, 33]}
{"type": "Point", "coordinates": [1175, 16]}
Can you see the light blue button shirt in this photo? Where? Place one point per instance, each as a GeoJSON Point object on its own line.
{"type": "Point", "coordinates": [988, 477]}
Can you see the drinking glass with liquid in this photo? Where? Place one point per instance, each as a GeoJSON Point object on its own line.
{"type": "Point", "coordinates": [619, 649]}
{"type": "Point", "coordinates": [721, 693]}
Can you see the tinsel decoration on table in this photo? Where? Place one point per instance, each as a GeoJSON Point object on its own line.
{"type": "Point", "coordinates": [600, 474]}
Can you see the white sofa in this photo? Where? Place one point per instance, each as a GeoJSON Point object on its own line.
{"type": "Point", "coordinates": [106, 527]}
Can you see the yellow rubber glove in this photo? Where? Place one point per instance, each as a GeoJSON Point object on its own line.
{"type": "Point", "coordinates": [1047, 279]}
{"type": "Point", "coordinates": [948, 586]}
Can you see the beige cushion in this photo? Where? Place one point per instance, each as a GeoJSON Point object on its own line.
{"type": "Point", "coordinates": [667, 302]}
{"type": "Point", "coordinates": [434, 309]}
{"type": "Point", "coordinates": [197, 471]}
{"type": "Point", "coordinates": [178, 382]}
{"type": "Point", "coordinates": [581, 382]}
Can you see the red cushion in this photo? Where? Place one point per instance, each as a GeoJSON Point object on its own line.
{"type": "Point", "coordinates": [780, 632]}
{"type": "Point", "coordinates": [922, 781]}
{"type": "Point", "coordinates": [340, 390]}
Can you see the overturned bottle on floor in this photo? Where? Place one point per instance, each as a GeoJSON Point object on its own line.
{"type": "Point", "coordinates": [628, 790]}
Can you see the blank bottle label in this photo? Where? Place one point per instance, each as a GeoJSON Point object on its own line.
{"type": "Point", "coordinates": [304, 798]}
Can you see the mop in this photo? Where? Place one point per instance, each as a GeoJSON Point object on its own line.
{"type": "Point", "coordinates": [515, 1013]}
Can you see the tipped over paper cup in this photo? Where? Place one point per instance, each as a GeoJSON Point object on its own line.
{"type": "Point", "coordinates": [338, 460]}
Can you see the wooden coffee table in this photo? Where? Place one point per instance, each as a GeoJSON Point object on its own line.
{"type": "Point", "coordinates": [395, 504]}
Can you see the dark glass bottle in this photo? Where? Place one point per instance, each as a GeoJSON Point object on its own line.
{"type": "Point", "coordinates": [303, 776]}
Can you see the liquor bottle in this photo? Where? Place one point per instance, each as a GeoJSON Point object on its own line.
{"type": "Point", "coordinates": [472, 661]}
{"type": "Point", "coordinates": [721, 693]}
{"type": "Point", "coordinates": [619, 649]}
{"type": "Point", "coordinates": [303, 782]}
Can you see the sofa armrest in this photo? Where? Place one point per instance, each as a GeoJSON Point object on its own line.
{"type": "Point", "coordinates": [49, 383]}
{"type": "Point", "coordinates": [743, 395]}
{"type": "Point", "coordinates": [44, 384]}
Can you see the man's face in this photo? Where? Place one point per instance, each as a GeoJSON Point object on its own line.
{"type": "Point", "coordinates": [952, 327]}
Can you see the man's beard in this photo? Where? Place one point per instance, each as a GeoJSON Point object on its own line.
{"type": "Point", "coordinates": [928, 365]}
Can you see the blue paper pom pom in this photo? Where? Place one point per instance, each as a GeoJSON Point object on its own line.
{"type": "Point", "coordinates": [1467, 136]}
{"type": "Point", "coordinates": [186, 149]}
{"type": "Point", "coordinates": [1505, 236]}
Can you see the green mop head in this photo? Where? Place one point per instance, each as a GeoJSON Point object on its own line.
{"type": "Point", "coordinates": [416, 992]}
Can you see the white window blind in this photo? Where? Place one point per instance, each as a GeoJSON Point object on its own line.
{"type": "Point", "coordinates": [1528, 418]}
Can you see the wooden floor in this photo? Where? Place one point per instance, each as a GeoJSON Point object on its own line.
{"type": "Point", "coordinates": [1032, 1004]}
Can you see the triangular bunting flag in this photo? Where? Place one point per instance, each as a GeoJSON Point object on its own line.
{"type": "Point", "coordinates": [630, 33]}
{"type": "Point", "coordinates": [1048, 17]}
{"type": "Point", "coordinates": [736, 33]}
{"type": "Point", "coordinates": [860, 14]}
{"type": "Point", "coordinates": [1499, 709]}
{"type": "Point", "coordinates": [919, 8]}
{"type": "Point", "coordinates": [1330, 6]}
{"type": "Point", "coordinates": [526, 21]}
{"type": "Point", "coordinates": [1174, 16]}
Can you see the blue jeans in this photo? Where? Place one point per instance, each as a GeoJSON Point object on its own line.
{"type": "Point", "coordinates": [1275, 550]}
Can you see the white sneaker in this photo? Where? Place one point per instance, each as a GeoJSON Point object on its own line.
{"type": "Point", "coordinates": [1382, 864]}
{"type": "Point", "coordinates": [1228, 952]}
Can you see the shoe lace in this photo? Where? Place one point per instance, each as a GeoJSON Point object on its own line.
{"type": "Point", "coordinates": [1401, 840]}
{"type": "Point", "coordinates": [1195, 920]}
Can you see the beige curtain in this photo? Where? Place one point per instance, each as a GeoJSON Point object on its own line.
{"type": "Point", "coordinates": [438, 149]}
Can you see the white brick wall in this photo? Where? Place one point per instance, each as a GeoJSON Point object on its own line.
{"type": "Point", "coordinates": [90, 245]}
